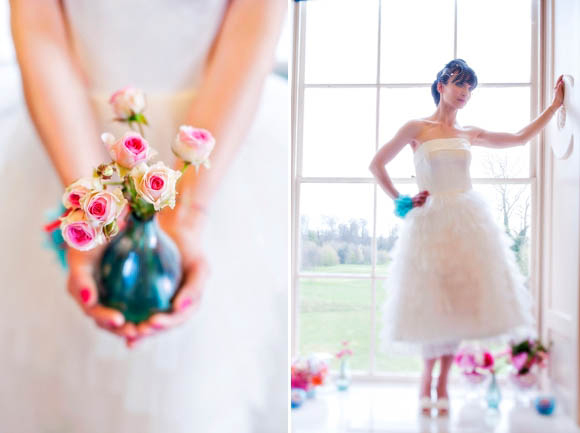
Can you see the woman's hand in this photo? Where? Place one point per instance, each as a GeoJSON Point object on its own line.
{"type": "Point", "coordinates": [419, 199]}
{"type": "Point", "coordinates": [83, 288]}
{"type": "Point", "coordinates": [185, 229]}
{"type": "Point", "coordinates": [559, 93]}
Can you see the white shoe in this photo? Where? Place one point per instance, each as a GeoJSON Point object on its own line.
{"type": "Point", "coordinates": [425, 405]}
{"type": "Point", "coordinates": [442, 406]}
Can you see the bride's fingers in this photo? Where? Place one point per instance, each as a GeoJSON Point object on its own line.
{"type": "Point", "coordinates": [189, 295]}
{"type": "Point", "coordinates": [108, 316]}
{"type": "Point", "coordinates": [82, 287]}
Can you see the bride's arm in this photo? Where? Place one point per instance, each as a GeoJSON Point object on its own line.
{"type": "Point", "coordinates": [54, 89]}
{"type": "Point", "coordinates": [505, 139]}
{"type": "Point", "coordinates": [59, 107]}
{"type": "Point", "coordinates": [229, 93]}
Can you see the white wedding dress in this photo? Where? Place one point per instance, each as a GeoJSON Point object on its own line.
{"type": "Point", "coordinates": [453, 276]}
{"type": "Point", "coordinates": [225, 370]}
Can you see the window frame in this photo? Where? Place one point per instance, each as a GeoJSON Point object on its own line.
{"type": "Point", "coordinates": [536, 162]}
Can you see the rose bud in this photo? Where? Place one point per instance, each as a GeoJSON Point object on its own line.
{"type": "Point", "coordinates": [156, 184]}
{"type": "Point", "coordinates": [77, 190]}
{"type": "Point", "coordinates": [105, 171]}
{"type": "Point", "coordinates": [129, 150]}
{"type": "Point", "coordinates": [111, 229]}
{"type": "Point", "coordinates": [79, 233]}
{"type": "Point", "coordinates": [127, 102]}
{"type": "Point", "coordinates": [103, 207]}
{"type": "Point", "coordinates": [193, 145]}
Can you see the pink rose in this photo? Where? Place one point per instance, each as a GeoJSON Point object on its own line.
{"type": "Point", "coordinates": [74, 193]}
{"type": "Point", "coordinates": [156, 184]}
{"type": "Point", "coordinates": [129, 150]}
{"type": "Point", "coordinates": [103, 207]}
{"type": "Point", "coordinates": [127, 102]}
{"type": "Point", "coordinates": [79, 233]}
{"type": "Point", "coordinates": [193, 145]}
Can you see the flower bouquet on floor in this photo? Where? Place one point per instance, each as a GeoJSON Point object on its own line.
{"type": "Point", "coordinates": [527, 358]}
{"type": "Point", "coordinates": [308, 373]}
{"type": "Point", "coordinates": [475, 365]}
{"type": "Point", "coordinates": [140, 268]}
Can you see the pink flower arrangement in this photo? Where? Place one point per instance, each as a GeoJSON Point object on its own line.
{"type": "Point", "coordinates": [527, 354]}
{"type": "Point", "coordinates": [308, 372]}
{"type": "Point", "coordinates": [94, 205]}
{"type": "Point", "coordinates": [475, 364]}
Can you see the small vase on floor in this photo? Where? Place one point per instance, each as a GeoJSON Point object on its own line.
{"type": "Point", "coordinates": [344, 376]}
{"type": "Point", "coordinates": [524, 384]}
{"type": "Point", "coordinates": [493, 395]}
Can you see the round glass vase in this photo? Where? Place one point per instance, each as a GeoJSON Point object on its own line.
{"type": "Point", "coordinates": [140, 270]}
{"type": "Point", "coordinates": [344, 377]}
{"type": "Point", "coordinates": [525, 385]}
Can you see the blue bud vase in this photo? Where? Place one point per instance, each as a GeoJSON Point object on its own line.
{"type": "Point", "coordinates": [140, 270]}
{"type": "Point", "coordinates": [493, 395]}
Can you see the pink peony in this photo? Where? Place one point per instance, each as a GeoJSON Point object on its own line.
{"type": "Point", "coordinates": [129, 150]}
{"type": "Point", "coordinates": [193, 145]}
{"type": "Point", "coordinates": [79, 233]}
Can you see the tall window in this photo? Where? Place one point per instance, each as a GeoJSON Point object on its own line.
{"type": "Point", "coordinates": [360, 71]}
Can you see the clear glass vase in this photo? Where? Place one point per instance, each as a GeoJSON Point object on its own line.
{"type": "Point", "coordinates": [344, 375]}
{"type": "Point", "coordinates": [524, 384]}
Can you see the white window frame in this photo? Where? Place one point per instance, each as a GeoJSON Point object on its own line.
{"type": "Point", "coordinates": [297, 121]}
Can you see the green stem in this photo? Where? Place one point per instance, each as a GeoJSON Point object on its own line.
{"type": "Point", "coordinates": [185, 165]}
{"type": "Point", "coordinates": [140, 129]}
{"type": "Point", "coordinates": [112, 183]}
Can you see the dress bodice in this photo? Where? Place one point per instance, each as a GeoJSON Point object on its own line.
{"type": "Point", "coordinates": [442, 165]}
{"type": "Point", "coordinates": [157, 45]}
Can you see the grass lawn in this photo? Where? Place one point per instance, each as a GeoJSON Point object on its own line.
{"type": "Point", "coordinates": [338, 309]}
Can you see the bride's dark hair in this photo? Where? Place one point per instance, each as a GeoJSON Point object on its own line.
{"type": "Point", "coordinates": [464, 75]}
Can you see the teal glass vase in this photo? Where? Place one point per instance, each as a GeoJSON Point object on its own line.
{"type": "Point", "coordinates": [140, 270]}
{"type": "Point", "coordinates": [493, 395]}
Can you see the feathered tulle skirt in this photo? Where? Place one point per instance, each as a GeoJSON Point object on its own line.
{"type": "Point", "coordinates": [453, 277]}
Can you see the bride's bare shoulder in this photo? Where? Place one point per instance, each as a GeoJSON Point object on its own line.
{"type": "Point", "coordinates": [419, 126]}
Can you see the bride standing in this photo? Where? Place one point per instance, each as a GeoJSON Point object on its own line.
{"type": "Point", "coordinates": [204, 63]}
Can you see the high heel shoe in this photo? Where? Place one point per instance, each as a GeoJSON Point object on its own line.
{"type": "Point", "coordinates": [425, 405]}
{"type": "Point", "coordinates": [442, 406]}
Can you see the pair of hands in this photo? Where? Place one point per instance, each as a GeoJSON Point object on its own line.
{"type": "Point", "coordinates": [184, 228]}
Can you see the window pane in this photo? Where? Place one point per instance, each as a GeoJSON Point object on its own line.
{"type": "Point", "coordinates": [341, 41]}
{"type": "Point", "coordinates": [336, 228]}
{"type": "Point", "coordinates": [333, 311]}
{"type": "Point", "coordinates": [398, 106]}
{"type": "Point", "coordinates": [494, 38]}
{"type": "Point", "coordinates": [500, 110]}
{"type": "Point", "coordinates": [416, 39]}
{"type": "Point", "coordinates": [339, 132]}
{"type": "Point", "coordinates": [511, 205]}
